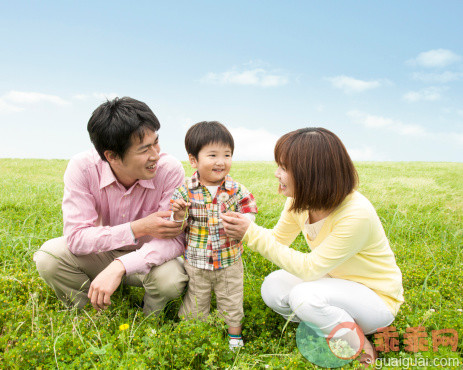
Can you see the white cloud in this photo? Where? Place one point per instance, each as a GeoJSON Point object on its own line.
{"type": "Point", "coordinates": [22, 97]}
{"type": "Point", "coordinates": [250, 77]}
{"type": "Point", "coordinates": [398, 127]}
{"type": "Point", "coordinates": [14, 101]}
{"type": "Point", "coordinates": [81, 96]}
{"type": "Point", "coordinates": [443, 77]}
{"type": "Point", "coordinates": [353, 85]}
{"type": "Point", "coordinates": [428, 94]}
{"type": "Point", "coordinates": [363, 154]}
{"type": "Point", "coordinates": [6, 107]}
{"type": "Point", "coordinates": [436, 58]}
{"type": "Point", "coordinates": [96, 95]}
{"type": "Point", "coordinates": [375, 122]}
{"type": "Point", "coordinates": [256, 145]}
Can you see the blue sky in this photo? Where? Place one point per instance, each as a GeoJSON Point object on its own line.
{"type": "Point", "coordinates": [386, 77]}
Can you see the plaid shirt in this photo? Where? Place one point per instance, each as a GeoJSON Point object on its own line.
{"type": "Point", "coordinates": [208, 247]}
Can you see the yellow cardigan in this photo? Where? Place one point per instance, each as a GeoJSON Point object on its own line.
{"type": "Point", "coordinates": [351, 245]}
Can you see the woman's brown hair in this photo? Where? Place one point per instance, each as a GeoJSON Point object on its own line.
{"type": "Point", "coordinates": [321, 169]}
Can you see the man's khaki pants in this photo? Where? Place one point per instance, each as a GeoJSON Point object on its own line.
{"type": "Point", "coordinates": [70, 275]}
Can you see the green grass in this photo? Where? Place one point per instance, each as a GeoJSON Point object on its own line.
{"type": "Point", "coordinates": [420, 205]}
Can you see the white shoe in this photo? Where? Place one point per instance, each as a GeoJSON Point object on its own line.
{"type": "Point", "coordinates": [235, 344]}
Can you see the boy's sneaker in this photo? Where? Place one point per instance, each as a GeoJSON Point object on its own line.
{"type": "Point", "coordinates": [235, 344]}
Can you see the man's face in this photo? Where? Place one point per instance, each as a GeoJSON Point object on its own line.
{"type": "Point", "coordinates": [140, 160]}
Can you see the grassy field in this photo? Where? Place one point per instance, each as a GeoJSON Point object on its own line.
{"type": "Point", "coordinates": [420, 205]}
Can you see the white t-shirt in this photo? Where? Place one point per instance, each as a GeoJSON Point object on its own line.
{"type": "Point", "coordinates": [213, 190]}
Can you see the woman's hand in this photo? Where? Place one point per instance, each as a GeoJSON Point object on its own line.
{"type": "Point", "coordinates": [235, 224]}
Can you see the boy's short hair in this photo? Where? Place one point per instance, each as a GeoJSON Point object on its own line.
{"type": "Point", "coordinates": [203, 133]}
{"type": "Point", "coordinates": [114, 123]}
{"type": "Point", "coordinates": [321, 169]}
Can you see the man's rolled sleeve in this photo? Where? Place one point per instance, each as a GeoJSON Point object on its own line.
{"type": "Point", "coordinates": [157, 251]}
{"type": "Point", "coordinates": [153, 253]}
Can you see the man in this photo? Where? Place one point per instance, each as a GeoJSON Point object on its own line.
{"type": "Point", "coordinates": [115, 213]}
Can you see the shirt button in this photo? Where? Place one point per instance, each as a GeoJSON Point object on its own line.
{"type": "Point", "coordinates": [123, 215]}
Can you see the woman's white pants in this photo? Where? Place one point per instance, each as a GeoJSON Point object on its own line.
{"type": "Point", "coordinates": [326, 302]}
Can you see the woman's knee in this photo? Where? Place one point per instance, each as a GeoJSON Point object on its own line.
{"type": "Point", "coordinates": [274, 289]}
{"type": "Point", "coordinates": [307, 298]}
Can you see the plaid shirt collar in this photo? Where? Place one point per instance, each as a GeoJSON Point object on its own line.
{"type": "Point", "coordinates": [195, 183]}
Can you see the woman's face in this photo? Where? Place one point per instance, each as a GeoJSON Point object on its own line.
{"type": "Point", "coordinates": [286, 186]}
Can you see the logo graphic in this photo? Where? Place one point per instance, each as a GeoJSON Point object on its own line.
{"type": "Point", "coordinates": [346, 340]}
{"type": "Point", "coordinates": [345, 343]}
{"type": "Point", "coordinates": [340, 347]}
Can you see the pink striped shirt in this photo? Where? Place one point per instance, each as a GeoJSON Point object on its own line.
{"type": "Point", "coordinates": [97, 211]}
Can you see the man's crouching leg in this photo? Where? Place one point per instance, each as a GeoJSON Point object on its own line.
{"type": "Point", "coordinates": [55, 265]}
{"type": "Point", "coordinates": [163, 284]}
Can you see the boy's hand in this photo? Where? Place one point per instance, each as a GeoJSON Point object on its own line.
{"type": "Point", "coordinates": [179, 207]}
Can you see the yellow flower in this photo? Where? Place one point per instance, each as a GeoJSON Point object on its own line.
{"type": "Point", "coordinates": [123, 327]}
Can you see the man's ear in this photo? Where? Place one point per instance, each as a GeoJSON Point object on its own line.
{"type": "Point", "coordinates": [111, 157]}
{"type": "Point", "coordinates": [193, 160]}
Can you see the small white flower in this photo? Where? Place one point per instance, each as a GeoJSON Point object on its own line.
{"type": "Point", "coordinates": [459, 310]}
{"type": "Point", "coordinates": [432, 310]}
{"type": "Point", "coordinates": [223, 197]}
{"type": "Point", "coordinates": [341, 348]}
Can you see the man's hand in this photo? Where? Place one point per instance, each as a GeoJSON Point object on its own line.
{"type": "Point", "coordinates": [156, 225]}
{"type": "Point", "coordinates": [104, 285]}
{"type": "Point", "coordinates": [179, 207]}
{"type": "Point", "coordinates": [235, 224]}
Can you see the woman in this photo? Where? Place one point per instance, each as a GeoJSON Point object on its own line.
{"type": "Point", "coordinates": [351, 274]}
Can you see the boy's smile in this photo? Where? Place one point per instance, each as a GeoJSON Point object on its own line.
{"type": "Point", "coordinates": [213, 163]}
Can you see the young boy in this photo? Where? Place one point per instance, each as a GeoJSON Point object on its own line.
{"type": "Point", "coordinates": [212, 260]}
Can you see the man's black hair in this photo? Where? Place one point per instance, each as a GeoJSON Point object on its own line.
{"type": "Point", "coordinates": [114, 123]}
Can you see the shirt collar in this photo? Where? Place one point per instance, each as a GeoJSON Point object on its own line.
{"type": "Point", "coordinates": [228, 183]}
{"type": "Point", "coordinates": [146, 184]}
{"type": "Point", "coordinates": [108, 178]}
{"type": "Point", "coordinates": [195, 183]}
{"type": "Point", "coordinates": [107, 175]}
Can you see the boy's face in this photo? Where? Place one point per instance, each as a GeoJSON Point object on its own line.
{"type": "Point", "coordinates": [213, 163]}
